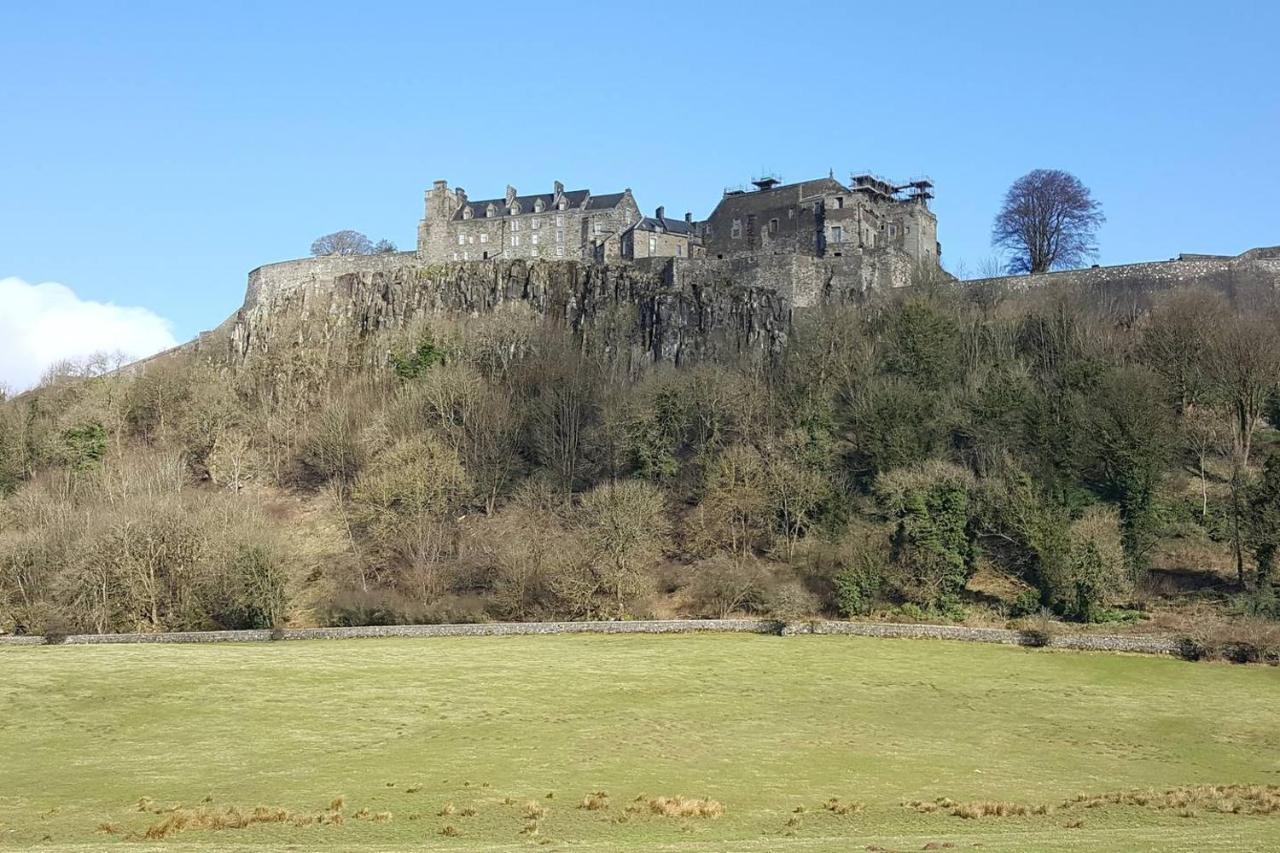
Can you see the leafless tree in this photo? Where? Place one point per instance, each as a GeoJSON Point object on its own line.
{"type": "Point", "coordinates": [342, 243]}
{"type": "Point", "coordinates": [1049, 219]}
{"type": "Point", "coordinates": [383, 246]}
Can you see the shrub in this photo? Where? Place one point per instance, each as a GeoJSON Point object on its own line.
{"type": "Point", "coordinates": [727, 584]}
{"type": "Point", "coordinates": [415, 363]}
{"type": "Point", "coordinates": [932, 546]}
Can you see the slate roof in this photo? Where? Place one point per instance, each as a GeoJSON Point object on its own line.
{"type": "Point", "coordinates": [674, 226]}
{"type": "Point", "coordinates": [573, 197]}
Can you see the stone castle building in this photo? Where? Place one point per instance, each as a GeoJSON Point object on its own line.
{"type": "Point", "coordinates": [818, 218]}
{"type": "Point", "coordinates": [824, 218]}
{"type": "Point", "coordinates": [571, 225]}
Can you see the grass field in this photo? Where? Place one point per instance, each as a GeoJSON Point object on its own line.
{"type": "Point", "coordinates": [507, 736]}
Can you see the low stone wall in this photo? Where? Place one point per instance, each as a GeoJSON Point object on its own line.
{"type": "Point", "coordinates": [1078, 642]}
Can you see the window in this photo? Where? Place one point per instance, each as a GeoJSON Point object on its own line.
{"type": "Point", "coordinates": [597, 227]}
{"type": "Point", "coordinates": [736, 232]}
{"type": "Point", "coordinates": [773, 227]}
{"type": "Point", "coordinates": [466, 256]}
{"type": "Point", "coordinates": [562, 205]}
{"type": "Point", "coordinates": [462, 238]}
{"type": "Point", "coordinates": [455, 256]}
{"type": "Point", "coordinates": [653, 246]}
{"type": "Point", "coordinates": [559, 251]}
{"type": "Point", "coordinates": [535, 224]}
{"type": "Point", "coordinates": [471, 238]}
{"type": "Point", "coordinates": [837, 234]}
{"type": "Point", "coordinates": [839, 202]}
{"type": "Point", "coordinates": [537, 252]}
{"type": "Point", "coordinates": [467, 212]}
{"type": "Point", "coordinates": [484, 238]}
{"type": "Point", "coordinates": [515, 225]}
{"type": "Point", "coordinates": [560, 218]}
{"type": "Point", "coordinates": [679, 251]}
{"type": "Point", "coordinates": [893, 231]}
{"type": "Point", "coordinates": [533, 239]}
{"type": "Point", "coordinates": [515, 239]}
{"type": "Point", "coordinates": [559, 235]}
{"type": "Point", "coordinates": [791, 213]}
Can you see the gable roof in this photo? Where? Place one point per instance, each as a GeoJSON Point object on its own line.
{"type": "Point", "coordinates": [574, 199]}
{"type": "Point", "coordinates": [672, 226]}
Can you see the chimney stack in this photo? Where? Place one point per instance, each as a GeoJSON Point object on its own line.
{"type": "Point", "coordinates": [688, 217]}
{"type": "Point", "coordinates": [661, 214]}
{"type": "Point", "coordinates": [559, 188]}
{"type": "Point", "coordinates": [511, 194]}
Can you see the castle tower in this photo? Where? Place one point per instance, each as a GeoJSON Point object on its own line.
{"type": "Point", "coordinates": [441, 204]}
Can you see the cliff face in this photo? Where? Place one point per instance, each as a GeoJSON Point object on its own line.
{"type": "Point", "coordinates": [641, 311]}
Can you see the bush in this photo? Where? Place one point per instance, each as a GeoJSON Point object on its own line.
{"type": "Point", "coordinates": [727, 584]}
{"type": "Point", "coordinates": [932, 544]}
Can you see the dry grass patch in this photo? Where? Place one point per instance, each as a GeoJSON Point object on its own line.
{"type": "Point", "coordinates": [206, 818]}
{"type": "Point", "coordinates": [594, 802]}
{"type": "Point", "coordinates": [533, 810]}
{"type": "Point", "coordinates": [1189, 800]}
{"type": "Point", "coordinates": [681, 806]}
{"type": "Point", "coordinates": [835, 806]}
{"type": "Point", "coordinates": [978, 808]}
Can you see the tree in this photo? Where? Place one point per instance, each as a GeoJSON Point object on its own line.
{"type": "Point", "coordinates": [929, 507]}
{"type": "Point", "coordinates": [1130, 436]}
{"type": "Point", "coordinates": [342, 243]}
{"type": "Point", "coordinates": [383, 247]}
{"type": "Point", "coordinates": [1049, 220]}
{"type": "Point", "coordinates": [625, 525]}
{"type": "Point", "coordinates": [1244, 368]}
{"type": "Point", "coordinates": [1264, 519]}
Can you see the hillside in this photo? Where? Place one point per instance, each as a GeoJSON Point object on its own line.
{"type": "Point", "coordinates": [376, 440]}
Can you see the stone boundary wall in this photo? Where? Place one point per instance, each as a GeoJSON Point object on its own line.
{"type": "Point", "coordinates": [1256, 268]}
{"type": "Point", "coordinates": [1077, 642]}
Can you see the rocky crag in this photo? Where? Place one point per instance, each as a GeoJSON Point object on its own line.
{"type": "Point", "coordinates": [666, 310]}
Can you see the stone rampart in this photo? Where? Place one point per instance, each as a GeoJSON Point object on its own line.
{"type": "Point", "coordinates": [1241, 276]}
{"type": "Point", "coordinates": [1077, 642]}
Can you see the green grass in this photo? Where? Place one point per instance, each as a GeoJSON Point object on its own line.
{"type": "Point", "coordinates": [764, 725]}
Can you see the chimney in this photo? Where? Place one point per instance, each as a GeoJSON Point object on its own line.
{"type": "Point", "coordinates": [461, 194]}
{"type": "Point", "coordinates": [439, 185]}
{"type": "Point", "coordinates": [661, 214]}
{"type": "Point", "coordinates": [511, 194]}
{"type": "Point", "coordinates": [688, 217]}
{"type": "Point", "coordinates": [559, 188]}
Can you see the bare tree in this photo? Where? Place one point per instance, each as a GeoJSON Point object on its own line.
{"type": "Point", "coordinates": [383, 246]}
{"type": "Point", "coordinates": [1049, 219]}
{"type": "Point", "coordinates": [342, 243]}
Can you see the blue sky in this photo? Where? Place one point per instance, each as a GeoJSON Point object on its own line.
{"type": "Point", "coordinates": [152, 153]}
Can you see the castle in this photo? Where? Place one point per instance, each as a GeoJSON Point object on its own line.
{"type": "Point", "coordinates": [818, 218]}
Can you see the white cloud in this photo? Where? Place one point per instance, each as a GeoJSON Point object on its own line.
{"type": "Point", "coordinates": [41, 324]}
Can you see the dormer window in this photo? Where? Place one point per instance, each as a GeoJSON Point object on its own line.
{"type": "Point", "coordinates": [539, 206]}
{"type": "Point", "coordinates": [491, 210]}
{"type": "Point", "coordinates": [467, 212]}
{"type": "Point", "coordinates": [515, 209]}
{"type": "Point", "coordinates": [562, 205]}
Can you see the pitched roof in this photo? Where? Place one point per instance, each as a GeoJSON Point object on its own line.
{"type": "Point", "coordinates": [574, 198]}
{"type": "Point", "coordinates": [674, 226]}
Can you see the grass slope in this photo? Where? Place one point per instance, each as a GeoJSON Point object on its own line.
{"type": "Point", "coordinates": [763, 725]}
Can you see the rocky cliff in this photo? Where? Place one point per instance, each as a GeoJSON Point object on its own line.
{"type": "Point", "coordinates": [338, 304]}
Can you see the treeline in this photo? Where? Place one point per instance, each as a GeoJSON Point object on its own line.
{"type": "Point", "coordinates": [498, 468]}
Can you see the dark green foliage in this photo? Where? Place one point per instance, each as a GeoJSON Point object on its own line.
{"type": "Point", "coordinates": [1129, 440]}
{"type": "Point", "coordinates": [413, 364]}
{"type": "Point", "coordinates": [932, 542]}
{"type": "Point", "coordinates": [1263, 519]}
{"type": "Point", "coordinates": [893, 424]}
{"type": "Point", "coordinates": [84, 446]}
{"type": "Point", "coordinates": [924, 344]}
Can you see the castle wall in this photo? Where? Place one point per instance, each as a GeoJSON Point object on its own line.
{"type": "Point", "coordinates": [1241, 277]}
